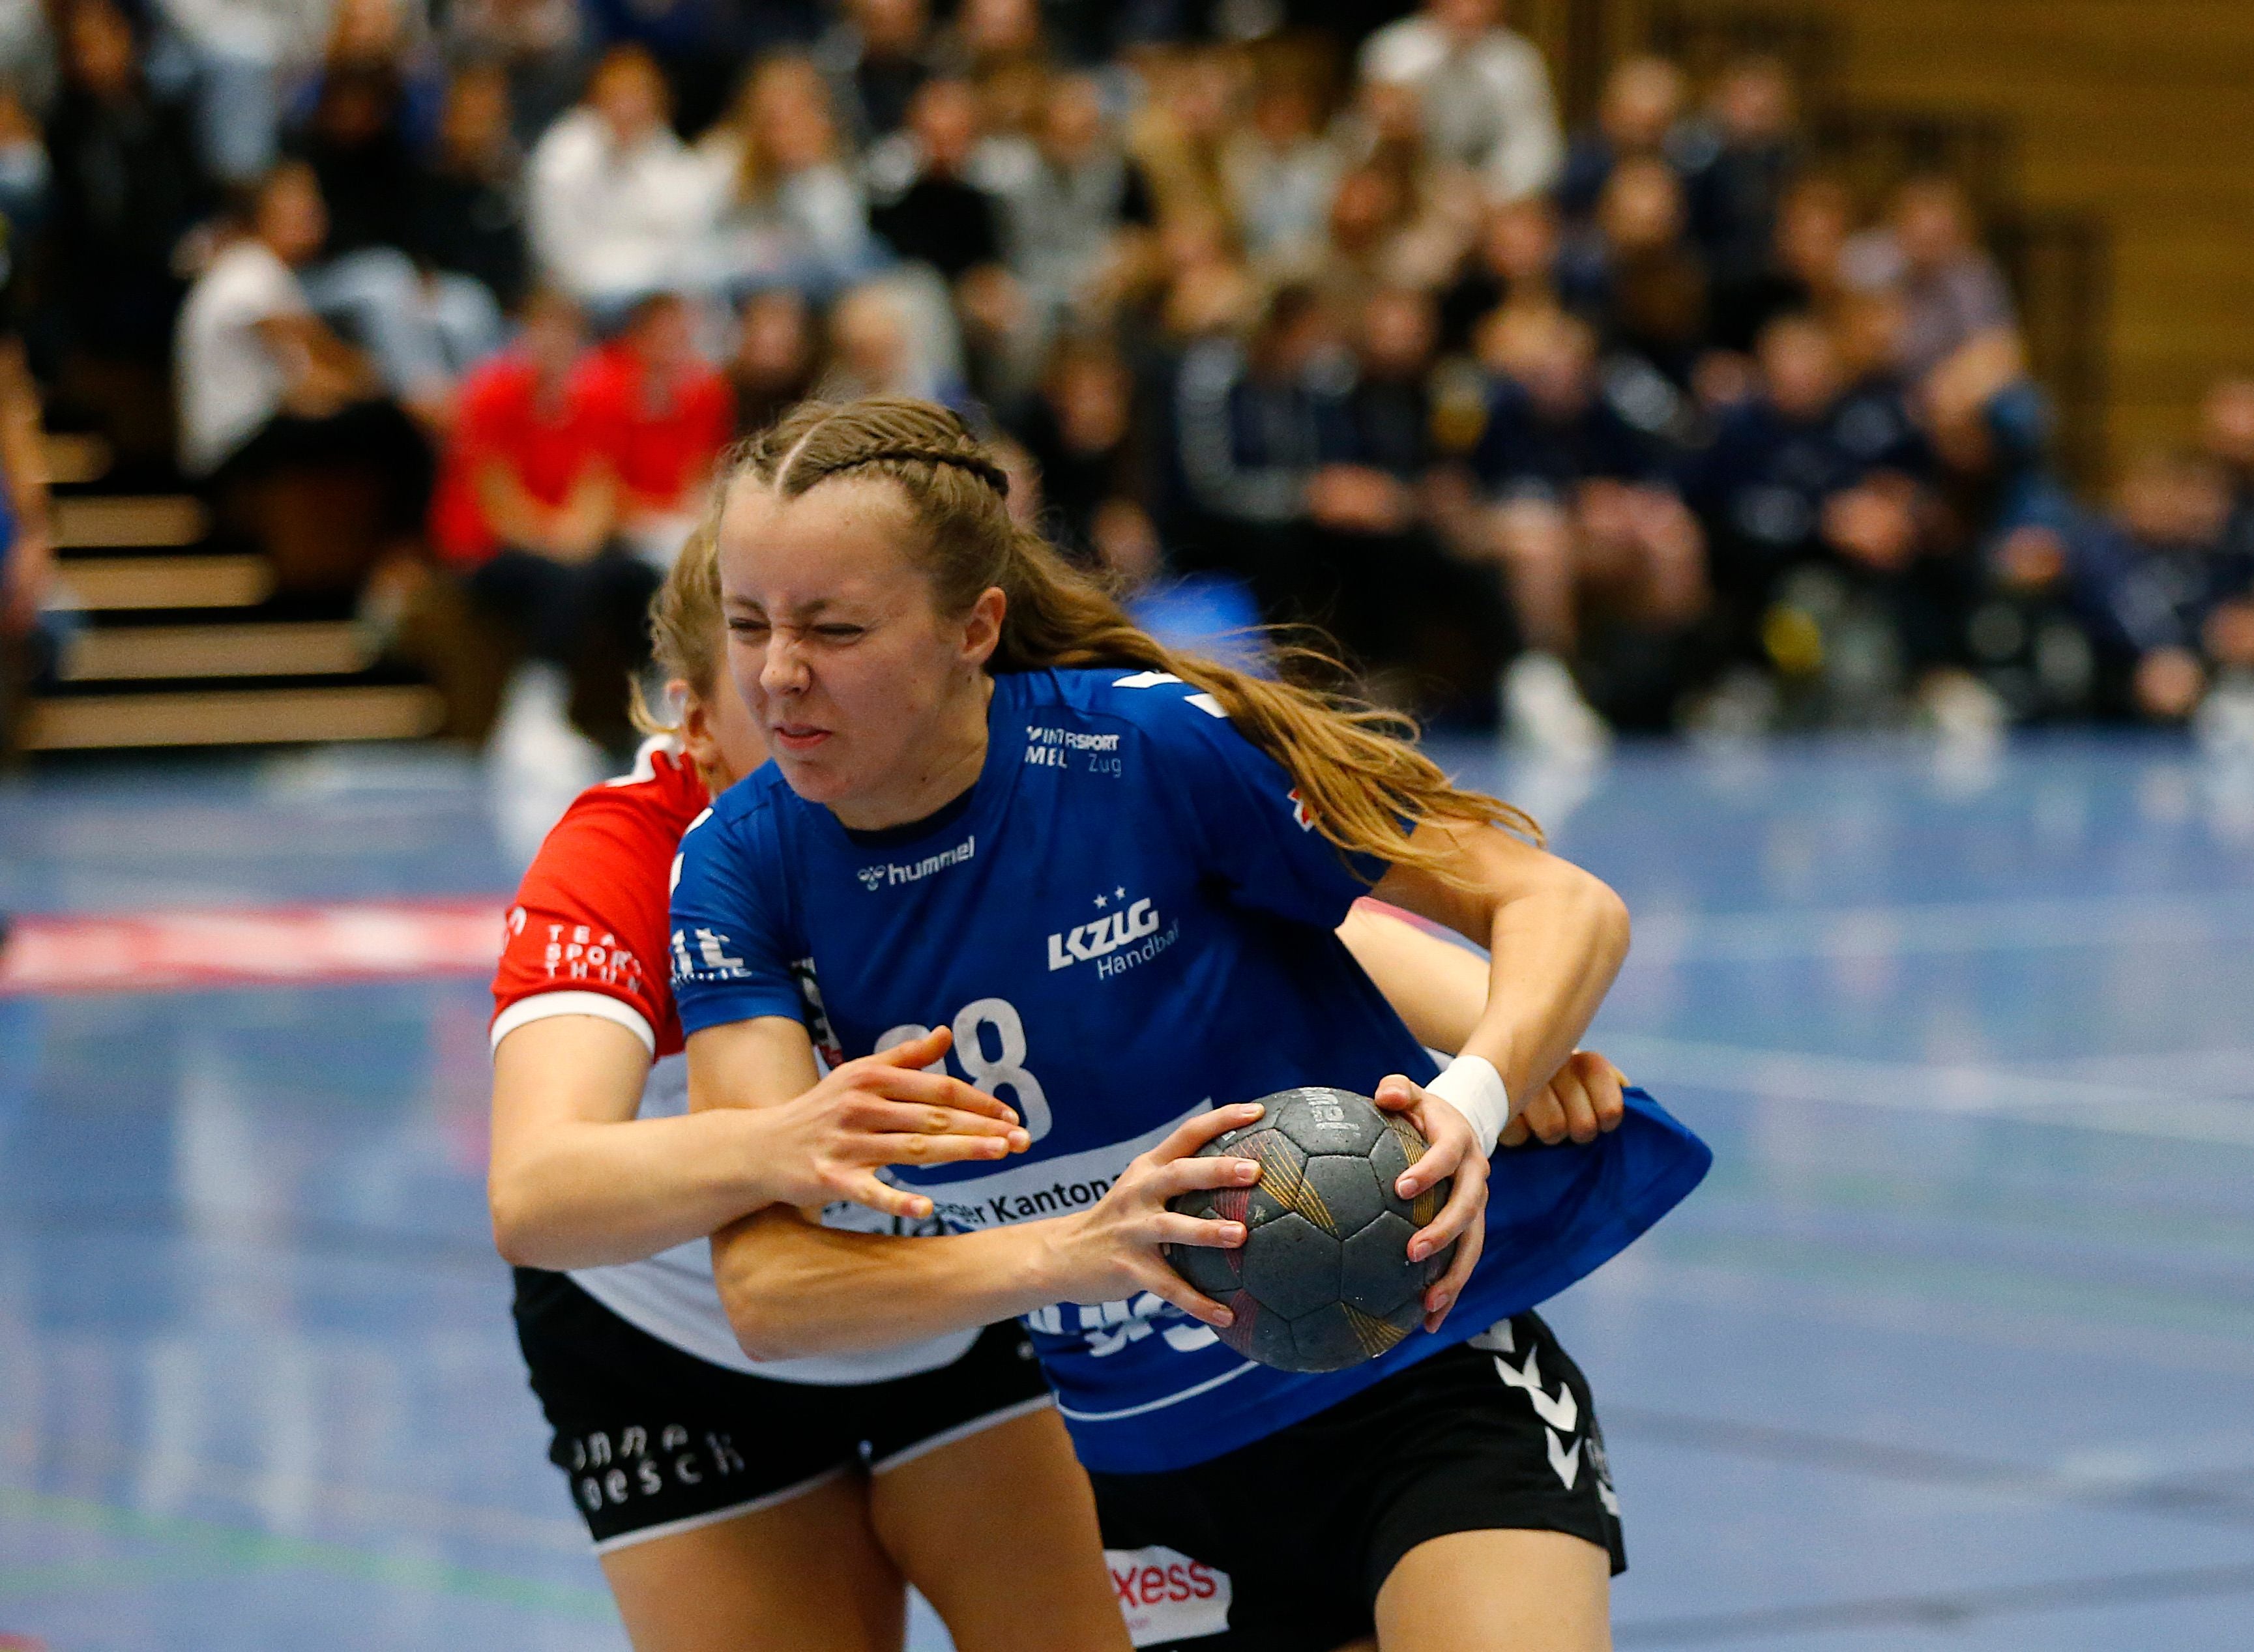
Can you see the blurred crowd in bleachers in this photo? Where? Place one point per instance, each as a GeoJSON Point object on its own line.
{"type": "Point", "coordinates": [1648, 425]}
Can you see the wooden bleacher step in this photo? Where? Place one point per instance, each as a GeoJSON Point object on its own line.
{"type": "Point", "coordinates": [74, 460]}
{"type": "Point", "coordinates": [235, 716]}
{"type": "Point", "coordinates": [126, 521]}
{"type": "Point", "coordinates": [124, 583]}
{"type": "Point", "coordinates": [184, 642]}
{"type": "Point", "coordinates": [282, 648]}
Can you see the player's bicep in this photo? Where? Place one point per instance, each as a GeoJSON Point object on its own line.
{"type": "Point", "coordinates": [731, 957]}
{"type": "Point", "coordinates": [564, 1069]}
{"type": "Point", "coordinates": [1488, 868]}
{"type": "Point", "coordinates": [761, 1062]}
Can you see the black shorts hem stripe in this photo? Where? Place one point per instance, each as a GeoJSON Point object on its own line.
{"type": "Point", "coordinates": [718, 1516]}
{"type": "Point", "coordinates": [960, 1432]}
{"type": "Point", "coordinates": [650, 1437]}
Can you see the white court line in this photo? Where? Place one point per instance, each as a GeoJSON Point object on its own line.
{"type": "Point", "coordinates": [1953, 927]}
{"type": "Point", "coordinates": [1949, 1089]}
{"type": "Point", "coordinates": [369, 1506]}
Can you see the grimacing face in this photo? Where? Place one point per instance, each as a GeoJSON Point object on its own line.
{"type": "Point", "coordinates": [867, 696]}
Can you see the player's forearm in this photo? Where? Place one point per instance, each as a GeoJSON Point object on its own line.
{"type": "Point", "coordinates": [588, 1194]}
{"type": "Point", "coordinates": [793, 1289]}
{"type": "Point", "coordinates": [1439, 988]}
{"type": "Point", "coordinates": [1553, 952]}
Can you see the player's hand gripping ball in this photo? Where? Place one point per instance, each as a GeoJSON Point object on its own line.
{"type": "Point", "coordinates": [1323, 1279]}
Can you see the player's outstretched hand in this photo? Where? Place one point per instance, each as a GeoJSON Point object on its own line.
{"type": "Point", "coordinates": [1111, 1251]}
{"type": "Point", "coordinates": [885, 1110]}
{"type": "Point", "coordinates": [1453, 1152]}
{"type": "Point", "coordinates": [1581, 1103]}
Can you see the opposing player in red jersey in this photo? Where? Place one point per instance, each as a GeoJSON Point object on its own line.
{"type": "Point", "coordinates": [786, 1504]}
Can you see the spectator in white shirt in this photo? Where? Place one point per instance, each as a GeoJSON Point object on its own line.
{"type": "Point", "coordinates": [265, 386]}
{"type": "Point", "coordinates": [1281, 173]}
{"type": "Point", "coordinates": [1485, 92]}
{"type": "Point", "coordinates": [1067, 193]}
{"type": "Point", "coordinates": [785, 207]}
{"type": "Point", "coordinates": [618, 201]}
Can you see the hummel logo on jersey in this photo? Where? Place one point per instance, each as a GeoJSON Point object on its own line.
{"type": "Point", "coordinates": [892, 874]}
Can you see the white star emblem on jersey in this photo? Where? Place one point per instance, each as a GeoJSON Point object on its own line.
{"type": "Point", "coordinates": [1099, 902]}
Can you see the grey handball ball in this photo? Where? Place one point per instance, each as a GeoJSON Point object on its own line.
{"type": "Point", "coordinates": [1323, 1279]}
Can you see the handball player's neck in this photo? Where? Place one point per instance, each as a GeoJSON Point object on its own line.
{"type": "Point", "coordinates": [941, 768]}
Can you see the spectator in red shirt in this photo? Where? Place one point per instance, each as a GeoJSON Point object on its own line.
{"type": "Point", "coordinates": [523, 469]}
{"type": "Point", "coordinates": [528, 508]}
{"type": "Point", "coordinates": [663, 415]}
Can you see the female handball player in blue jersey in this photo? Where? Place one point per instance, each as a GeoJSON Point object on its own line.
{"type": "Point", "coordinates": [1002, 817]}
{"type": "Point", "coordinates": [783, 1506]}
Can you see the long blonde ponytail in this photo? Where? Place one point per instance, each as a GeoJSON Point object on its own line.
{"type": "Point", "coordinates": [1358, 772]}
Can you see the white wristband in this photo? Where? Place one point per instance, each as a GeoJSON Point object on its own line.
{"type": "Point", "coordinates": [1471, 1085]}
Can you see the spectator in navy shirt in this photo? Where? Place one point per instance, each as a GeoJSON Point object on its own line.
{"type": "Point", "coordinates": [1636, 275]}
{"type": "Point", "coordinates": [1802, 272]}
{"type": "Point", "coordinates": [1738, 162]}
{"type": "Point", "coordinates": [1636, 117]}
{"type": "Point", "coordinates": [128, 185]}
{"type": "Point", "coordinates": [1585, 517]}
{"type": "Point", "coordinates": [2227, 429]}
{"type": "Point", "coordinates": [1781, 460]}
{"type": "Point", "coordinates": [926, 206]}
{"type": "Point", "coordinates": [877, 56]}
{"type": "Point", "coordinates": [1080, 429]}
{"type": "Point", "coordinates": [2153, 584]}
{"type": "Point", "coordinates": [1514, 261]}
{"type": "Point", "coordinates": [1258, 425]}
{"type": "Point", "coordinates": [467, 209]}
{"type": "Point", "coordinates": [1403, 597]}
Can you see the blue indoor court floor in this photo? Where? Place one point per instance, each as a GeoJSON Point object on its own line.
{"type": "Point", "coordinates": [1953, 1352]}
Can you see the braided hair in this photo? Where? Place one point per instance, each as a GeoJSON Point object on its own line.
{"type": "Point", "coordinates": [1357, 769]}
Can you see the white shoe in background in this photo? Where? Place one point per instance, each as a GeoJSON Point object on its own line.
{"type": "Point", "coordinates": [1964, 710]}
{"type": "Point", "coordinates": [2224, 723]}
{"type": "Point", "coordinates": [1543, 710]}
{"type": "Point", "coordinates": [535, 761]}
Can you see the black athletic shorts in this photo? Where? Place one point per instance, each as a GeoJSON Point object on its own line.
{"type": "Point", "coordinates": [656, 1441]}
{"type": "Point", "coordinates": [1282, 1545]}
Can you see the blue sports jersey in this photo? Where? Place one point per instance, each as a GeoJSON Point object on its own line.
{"type": "Point", "coordinates": [1127, 921]}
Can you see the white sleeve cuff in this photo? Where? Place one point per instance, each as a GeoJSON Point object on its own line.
{"type": "Point", "coordinates": [1472, 1085]}
{"type": "Point", "coordinates": [541, 1005]}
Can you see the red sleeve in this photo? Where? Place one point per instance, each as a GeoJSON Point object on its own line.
{"type": "Point", "coordinates": [601, 407]}
{"type": "Point", "coordinates": [489, 412]}
{"type": "Point", "coordinates": [587, 935]}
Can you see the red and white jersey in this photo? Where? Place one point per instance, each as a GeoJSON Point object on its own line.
{"type": "Point", "coordinates": [587, 935]}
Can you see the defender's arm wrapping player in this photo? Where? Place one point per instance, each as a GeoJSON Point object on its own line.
{"type": "Point", "coordinates": [783, 1505]}
{"type": "Point", "coordinates": [1002, 817]}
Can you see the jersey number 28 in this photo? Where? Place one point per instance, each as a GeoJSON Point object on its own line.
{"type": "Point", "coordinates": [974, 1024]}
